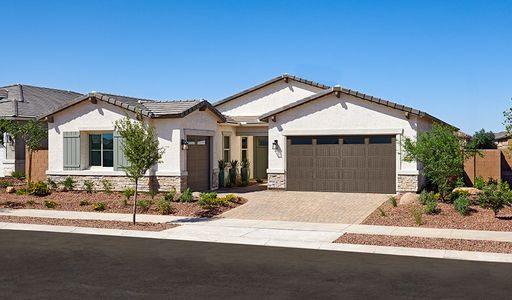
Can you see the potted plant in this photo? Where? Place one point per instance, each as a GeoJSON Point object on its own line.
{"type": "Point", "coordinates": [222, 167]}
{"type": "Point", "coordinates": [244, 171]}
{"type": "Point", "coordinates": [232, 172]}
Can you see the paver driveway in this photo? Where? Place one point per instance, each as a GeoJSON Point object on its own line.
{"type": "Point", "coordinates": [318, 207]}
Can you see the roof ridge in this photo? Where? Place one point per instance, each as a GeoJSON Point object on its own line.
{"type": "Point", "coordinates": [41, 87]}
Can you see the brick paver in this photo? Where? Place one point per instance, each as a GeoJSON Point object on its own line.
{"type": "Point", "coordinates": [318, 207]}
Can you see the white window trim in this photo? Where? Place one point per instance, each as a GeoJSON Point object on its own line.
{"type": "Point", "coordinates": [99, 168]}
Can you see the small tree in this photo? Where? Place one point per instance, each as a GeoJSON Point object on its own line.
{"type": "Point", "coordinates": [482, 140]}
{"type": "Point", "coordinates": [442, 155]}
{"type": "Point", "coordinates": [33, 133]}
{"type": "Point", "coordinates": [141, 149]}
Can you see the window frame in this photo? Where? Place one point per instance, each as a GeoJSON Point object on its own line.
{"type": "Point", "coordinates": [102, 150]}
{"type": "Point", "coordinates": [244, 149]}
{"type": "Point", "coordinates": [226, 151]}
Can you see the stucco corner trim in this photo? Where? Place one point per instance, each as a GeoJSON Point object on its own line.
{"type": "Point", "coordinates": [275, 171]}
{"type": "Point", "coordinates": [407, 172]}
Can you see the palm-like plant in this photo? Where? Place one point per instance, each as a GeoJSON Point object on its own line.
{"type": "Point", "coordinates": [233, 172]}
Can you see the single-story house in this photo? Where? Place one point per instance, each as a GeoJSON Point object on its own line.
{"type": "Point", "coordinates": [22, 102]}
{"type": "Point", "coordinates": [298, 134]}
{"type": "Point", "coordinates": [501, 139]}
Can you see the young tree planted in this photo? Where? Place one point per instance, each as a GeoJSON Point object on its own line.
{"type": "Point", "coordinates": [141, 149]}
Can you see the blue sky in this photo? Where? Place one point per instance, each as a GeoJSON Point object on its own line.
{"type": "Point", "coordinates": [449, 58]}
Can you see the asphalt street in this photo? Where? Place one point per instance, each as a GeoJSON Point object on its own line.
{"type": "Point", "coordinates": [39, 265]}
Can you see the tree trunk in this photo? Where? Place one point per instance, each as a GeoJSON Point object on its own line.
{"type": "Point", "coordinates": [29, 175]}
{"type": "Point", "coordinates": [135, 200]}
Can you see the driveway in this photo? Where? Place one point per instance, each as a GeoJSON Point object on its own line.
{"type": "Point", "coordinates": [317, 207]}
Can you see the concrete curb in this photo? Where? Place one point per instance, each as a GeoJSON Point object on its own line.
{"type": "Point", "coordinates": [171, 235]}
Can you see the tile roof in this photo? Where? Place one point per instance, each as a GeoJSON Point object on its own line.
{"type": "Point", "coordinates": [244, 119]}
{"type": "Point", "coordinates": [501, 135]}
{"type": "Point", "coordinates": [269, 82]}
{"type": "Point", "coordinates": [21, 101]}
{"type": "Point", "coordinates": [146, 107]}
{"type": "Point", "coordinates": [354, 93]}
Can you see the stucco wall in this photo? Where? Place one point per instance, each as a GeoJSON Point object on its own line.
{"type": "Point", "coordinates": [341, 116]}
{"type": "Point", "coordinates": [268, 98]}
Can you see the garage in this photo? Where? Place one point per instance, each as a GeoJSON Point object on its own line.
{"type": "Point", "coordinates": [353, 164]}
{"type": "Point", "coordinates": [198, 163]}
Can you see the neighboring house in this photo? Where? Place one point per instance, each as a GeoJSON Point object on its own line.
{"type": "Point", "coordinates": [299, 134]}
{"type": "Point", "coordinates": [24, 102]}
{"type": "Point", "coordinates": [501, 139]}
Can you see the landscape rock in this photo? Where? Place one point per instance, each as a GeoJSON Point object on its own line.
{"type": "Point", "coordinates": [409, 198]}
{"type": "Point", "coordinates": [196, 195]}
{"type": "Point", "coordinates": [10, 189]}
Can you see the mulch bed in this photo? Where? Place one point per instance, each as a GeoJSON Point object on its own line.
{"type": "Point", "coordinates": [89, 223]}
{"type": "Point", "coordinates": [114, 201]}
{"type": "Point", "coordinates": [478, 219]}
{"type": "Point", "coordinates": [428, 243]}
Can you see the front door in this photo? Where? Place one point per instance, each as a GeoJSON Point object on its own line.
{"type": "Point", "coordinates": [260, 156]}
{"type": "Point", "coordinates": [198, 163]}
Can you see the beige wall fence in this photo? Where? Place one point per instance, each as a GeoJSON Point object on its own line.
{"type": "Point", "coordinates": [495, 164]}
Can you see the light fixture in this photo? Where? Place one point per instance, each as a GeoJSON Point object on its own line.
{"type": "Point", "coordinates": [184, 144]}
{"type": "Point", "coordinates": [275, 145]}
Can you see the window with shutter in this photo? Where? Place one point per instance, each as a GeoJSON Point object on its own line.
{"type": "Point", "coordinates": [71, 149]}
{"type": "Point", "coordinates": [120, 160]}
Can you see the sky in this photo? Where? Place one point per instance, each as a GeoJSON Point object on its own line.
{"type": "Point", "coordinates": [452, 59]}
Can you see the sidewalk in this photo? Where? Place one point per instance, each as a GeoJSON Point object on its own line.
{"type": "Point", "coordinates": [269, 233]}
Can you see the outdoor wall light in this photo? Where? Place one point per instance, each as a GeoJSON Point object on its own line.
{"type": "Point", "coordinates": [275, 145]}
{"type": "Point", "coordinates": [184, 144]}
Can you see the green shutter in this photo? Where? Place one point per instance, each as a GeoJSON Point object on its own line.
{"type": "Point", "coordinates": [119, 159]}
{"type": "Point", "coordinates": [71, 150]}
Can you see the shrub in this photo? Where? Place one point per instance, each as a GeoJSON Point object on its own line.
{"type": "Point", "coordinates": [50, 204]}
{"type": "Point", "coordinates": [479, 182]}
{"type": "Point", "coordinates": [210, 200]}
{"type": "Point", "coordinates": [431, 207]}
{"type": "Point", "coordinates": [425, 197]}
{"type": "Point", "coordinates": [458, 193]}
{"type": "Point", "coordinates": [170, 195]}
{"type": "Point", "coordinates": [128, 193]}
{"type": "Point", "coordinates": [418, 216]}
{"type": "Point", "coordinates": [382, 213]}
{"type": "Point", "coordinates": [4, 184]}
{"type": "Point", "coordinates": [68, 183]}
{"type": "Point", "coordinates": [495, 196]}
{"type": "Point", "coordinates": [39, 188]}
{"type": "Point", "coordinates": [51, 183]}
{"type": "Point", "coordinates": [99, 206]}
{"type": "Point", "coordinates": [144, 205]}
{"type": "Point", "coordinates": [107, 186]}
{"type": "Point", "coordinates": [18, 175]}
{"type": "Point", "coordinates": [186, 196]}
{"type": "Point", "coordinates": [84, 203]}
{"type": "Point", "coordinates": [164, 207]}
{"type": "Point", "coordinates": [125, 202]}
{"type": "Point", "coordinates": [30, 202]}
{"type": "Point", "coordinates": [152, 194]}
{"type": "Point", "coordinates": [89, 186]}
{"type": "Point", "coordinates": [393, 201]}
{"type": "Point", "coordinates": [231, 198]}
{"type": "Point", "coordinates": [21, 192]}
{"type": "Point", "coordinates": [461, 204]}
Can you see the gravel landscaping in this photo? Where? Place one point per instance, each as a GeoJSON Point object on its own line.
{"type": "Point", "coordinates": [114, 202]}
{"type": "Point", "coordinates": [89, 223]}
{"type": "Point", "coordinates": [402, 215]}
{"type": "Point", "coordinates": [428, 243]}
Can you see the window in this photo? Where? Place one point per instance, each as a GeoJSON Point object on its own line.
{"type": "Point", "coordinates": [327, 140]}
{"type": "Point", "coordinates": [245, 146]}
{"type": "Point", "coordinates": [101, 150]}
{"type": "Point", "coordinates": [227, 148]}
{"type": "Point", "coordinates": [382, 139]}
{"type": "Point", "coordinates": [302, 140]}
{"type": "Point", "coordinates": [353, 140]}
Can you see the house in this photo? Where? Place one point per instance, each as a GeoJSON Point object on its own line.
{"type": "Point", "coordinates": [501, 139]}
{"type": "Point", "coordinates": [299, 134]}
{"type": "Point", "coordinates": [24, 102]}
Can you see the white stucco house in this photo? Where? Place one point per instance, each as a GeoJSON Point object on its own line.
{"type": "Point", "coordinates": [297, 134]}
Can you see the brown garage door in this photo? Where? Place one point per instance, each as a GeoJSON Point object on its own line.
{"type": "Point", "coordinates": [198, 163]}
{"type": "Point", "coordinates": [357, 164]}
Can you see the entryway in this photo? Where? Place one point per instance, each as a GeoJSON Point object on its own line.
{"type": "Point", "coordinates": [260, 157]}
{"type": "Point", "coordinates": [198, 163]}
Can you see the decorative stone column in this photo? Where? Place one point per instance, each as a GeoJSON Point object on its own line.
{"type": "Point", "coordinates": [276, 181]}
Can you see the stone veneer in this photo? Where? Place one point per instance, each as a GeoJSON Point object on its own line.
{"type": "Point", "coordinates": [119, 183]}
{"type": "Point", "coordinates": [215, 179]}
{"type": "Point", "coordinates": [408, 183]}
{"type": "Point", "coordinates": [276, 181]}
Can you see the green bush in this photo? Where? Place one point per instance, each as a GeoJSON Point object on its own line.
{"type": "Point", "coordinates": [425, 197]}
{"type": "Point", "coordinates": [125, 202]}
{"type": "Point", "coordinates": [99, 206]}
{"type": "Point", "coordinates": [51, 183]}
{"type": "Point", "coordinates": [39, 188]}
{"type": "Point", "coordinates": [382, 213]}
{"type": "Point", "coordinates": [30, 202]}
{"type": "Point", "coordinates": [393, 201]}
{"type": "Point", "coordinates": [128, 193]}
{"type": "Point", "coordinates": [4, 184]}
{"type": "Point", "coordinates": [107, 186]}
{"type": "Point", "coordinates": [164, 207]}
{"type": "Point", "coordinates": [89, 186]}
{"type": "Point", "coordinates": [210, 200]}
{"type": "Point", "coordinates": [431, 207]}
{"type": "Point", "coordinates": [458, 193]}
{"type": "Point", "coordinates": [18, 175]}
{"type": "Point", "coordinates": [479, 182]}
{"type": "Point", "coordinates": [231, 198]}
{"type": "Point", "coordinates": [84, 203]}
{"type": "Point", "coordinates": [68, 183]}
{"type": "Point", "coordinates": [21, 192]}
{"type": "Point", "coordinates": [495, 196]}
{"type": "Point", "coordinates": [152, 194]}
{"type": "Point", "coordinates": [170, 195]}
{"type": "Point", "coordinates": [144, 205]}
{"type": "Point", "coordinates": [50, 204]}
{"type": "Point", "coordinates": [418, 216]}
{"type": "Point", "coordinates": [186, 196]}
{"type": "Point", "coordinates": [461, 204]}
